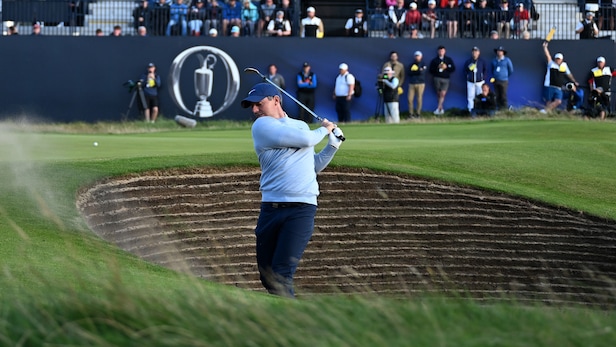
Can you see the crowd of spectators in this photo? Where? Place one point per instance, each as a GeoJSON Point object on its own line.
{"type": "Point", "coordinates": [399, 18]}
{"type": "Point", "coordinates": [214, 17]}
{"type": "Point", "coordinates": [454, 18]}
{"type": "Point", "coordinates": [380, 18]}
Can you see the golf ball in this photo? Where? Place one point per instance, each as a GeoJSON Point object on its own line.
{"type": "Point", "coordinates": [95, 144]}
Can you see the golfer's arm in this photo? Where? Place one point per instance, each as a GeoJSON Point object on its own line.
{"type": "Point", "coordinates": [324, 157]}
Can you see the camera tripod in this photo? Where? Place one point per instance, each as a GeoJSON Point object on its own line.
{"type": "Point", "coordinates": [380, 104]}
{"type": "Point", "coordinates": [137, 90]}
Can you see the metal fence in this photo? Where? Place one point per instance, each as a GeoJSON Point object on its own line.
{"type": "Point", "coordinates": [86, 17]}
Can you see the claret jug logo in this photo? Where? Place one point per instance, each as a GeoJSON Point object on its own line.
{"type": "Point", "coordinates": [210, 59]}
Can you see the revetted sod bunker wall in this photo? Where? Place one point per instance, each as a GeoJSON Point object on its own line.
{"type": "Point", "coordinates": [375, 233]}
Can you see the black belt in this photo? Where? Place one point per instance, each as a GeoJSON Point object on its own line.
{"type": "Point", "coordinates": [283, 204]}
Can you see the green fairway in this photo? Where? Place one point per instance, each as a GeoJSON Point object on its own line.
{"type": "Point", "coordinates": [62, 285]}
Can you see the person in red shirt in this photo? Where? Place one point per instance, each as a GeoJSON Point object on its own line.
{"type": "Point", "coordinates": [521, 17]}
{"type": "Point", "coordinates": [413, 17]}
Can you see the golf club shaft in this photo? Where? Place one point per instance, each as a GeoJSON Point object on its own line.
{"type": "Point", "coordinates": [253, 70]}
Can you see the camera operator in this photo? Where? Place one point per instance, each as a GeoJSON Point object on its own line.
{"type": "Point", "coordinates": [598, 103]}
{"type": "Point", "coordinates": [587, 28]}
{"type": "Point", "coordinates": [150, 82]}
{"type": "Point", "coordinates": [387, 85]}
{"type": "Point", "coordinates": [574, 96]}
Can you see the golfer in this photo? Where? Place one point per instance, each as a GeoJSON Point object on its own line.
{"type": "Point", "coordinates": [289, 188]}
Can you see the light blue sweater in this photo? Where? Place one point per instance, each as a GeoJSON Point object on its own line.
{"type": "Point", "coordinates": [289, 164]}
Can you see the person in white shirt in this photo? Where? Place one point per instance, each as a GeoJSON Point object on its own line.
{"type": "Point", "coordinates": [356, 26]}
{"type": "Point", "coordinates": [311, 26]}
{"type": "Point", "coordinates": [343, 93]}
{"type": "Point", "coordinates": [279, 26]}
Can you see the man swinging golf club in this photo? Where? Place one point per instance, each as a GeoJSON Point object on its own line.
{"type": "Point", "coordinates": [289, 188]}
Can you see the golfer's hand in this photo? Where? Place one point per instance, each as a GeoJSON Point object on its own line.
{"type": "Point", "coordinates": [335, 141]}
{"type": "Point", "coordinates": [329, 125]}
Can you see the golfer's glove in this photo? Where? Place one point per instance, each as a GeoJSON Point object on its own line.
{"type": "Point", "coordinates": [334, 140]}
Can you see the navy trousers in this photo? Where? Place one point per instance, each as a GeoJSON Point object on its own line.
{"type": "Point", "coordinates": [283, 231]}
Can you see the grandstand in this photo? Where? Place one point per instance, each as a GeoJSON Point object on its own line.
{"type": "Point", "coordinates": [59, 18]}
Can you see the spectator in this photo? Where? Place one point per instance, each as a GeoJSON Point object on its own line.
{"type": "Point", "coordinates": [306, 86]}
{"type": "Point", "coordinates": [356, 26]}
{"type": "Point", "coordinates": [214, 13]}
{"type": "Point", "coordinates": [451, 18]}
{"type": "Point", "coordinates": [484, 103]}
{"type": "Point", "coordinates": [388, 85]}
{"type": "Point", "coordinates": [607, 12]}
{"type": "Point", "coordinates": [142, 31]}
{"type": "Point", "coordinates": [117, 31]}
{"type": "Point", "coordinates": [430, 18]}
{"type": "Point", "coordinates": [99, 32]}
{"type": "Point", "coordinates": [417, 84]}
{"type": "Point", "coordinates": [397, 16]}
{"type": "Point", "coordinates": [311, 26]}
{"type": "Point", "coordinates": [526, 35]}
{"type": "Point", "coordinates": [556, 76]}
{"type": "Point", "coordinates": [235, 31]}
{"type": "Point", "coordinates": [503, 20]}
{"type": "Point", "coordinates": [275, 77]}
{"type": "Point", "coordinates": [178, 13]}
{"type": "Point", "coordinates": [250, 17]}
{"type": "Point", "coordinates": [412, 17]}
{"type": "Point", "coordinates": [231, 16]}
{"type": "Point", "coordinates": [160, 17]}
{"type": "Point", "coordinates": [142, 16]}
{"type": "Point", "coordinates": [468, 20]}
{"type": "Point", "coordinates": [379, 23]}
{"type": "Point", "coordinates": [343, 93]}
{"type": "Point", "coordinates": [213, 32]}
{"type": "Point", "coordinates": [502, 68]}
{"type": "Point", "coordinates": [396, 65]}
{"type": "Point", "coordinates": [476, 71]}
{"type": "Point", "coordinates": [36, 29]}
{"type": "Point", "coordinates": [587, 28]}
{"type": "Point", "coordinates": [279, 26]}
{"type": "Point", "coordinates": [267, 11]}
{"type": "Point", "coordinates": [485, 19]}
{"type": "Point", "coordinates": [414, 33]}
{"type": "Point", "coordinates": [12, 30]}
{"type": "Point", "coordinates": [521, 17]}
{"type": "Point", "coordinates": [441, 68]}
{"type": "Point", "coordinates": [494, 35]}
{"type": "Point", "coordinates": [285, 6]}
{"type": "Point", "coordinates": [196, 17]}
{"type": "Point", "coordinates": [151, 83]}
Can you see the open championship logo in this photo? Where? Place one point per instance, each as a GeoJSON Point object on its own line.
{"type": "Point", "coordinates": [204, 80]}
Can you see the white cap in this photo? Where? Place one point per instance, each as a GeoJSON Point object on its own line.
{"type": "Point", "coordinates": [343, 66]}
{"type": "Point", "coordinates": [601, 60]}
{"type": "Point", "coordinates": [559, 56]}
{"type": "Point", "coordinates": [413, 5]}
{"type": "Point", "coordinates": [590, 14]}
{"type": "Point", "coordinates": [417, 53]}
{"type": "Point", "coordinates": [235, 29]}
{"type": "Point", "coordinates": [310, 9]}
{"type": "Point", "coordinates": [213, 31]}
{"type": "Point", "coordinates": [431, 2]}
{"type": "Point", "coordinates": [387, 69]}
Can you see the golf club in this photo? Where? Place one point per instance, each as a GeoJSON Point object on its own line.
{"type": "Point", "coordinates": [336, 131]}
